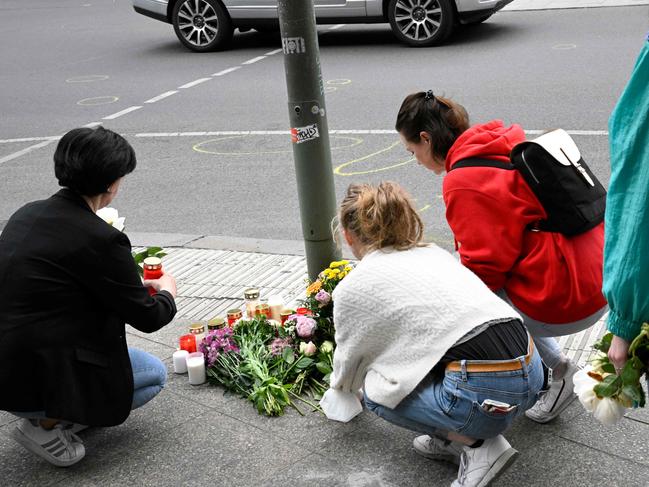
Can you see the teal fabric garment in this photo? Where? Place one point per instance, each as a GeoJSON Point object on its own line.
{"type": "Point", "coordinates": [626, 247]}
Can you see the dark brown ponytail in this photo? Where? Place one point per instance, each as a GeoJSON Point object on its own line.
{"type": "Point", "coordinates": [441, 118]}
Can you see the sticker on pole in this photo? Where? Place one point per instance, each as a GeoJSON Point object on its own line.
{"type": "Point", "coordinates": [304, 134]}
{"type": "Point", "coordinates": [293, 45]}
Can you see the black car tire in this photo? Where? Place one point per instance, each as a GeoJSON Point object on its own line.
{"type": "Point", "coordinates": [415, 24]}
{"type": "Point", "coordinates": [202, 25]}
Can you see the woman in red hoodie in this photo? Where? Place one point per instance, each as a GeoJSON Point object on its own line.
{"type": "Point", "coordinates": [553, 281]}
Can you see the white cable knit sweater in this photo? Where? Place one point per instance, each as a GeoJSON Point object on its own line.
{"type": "Point", "coordinates": [398, 312]}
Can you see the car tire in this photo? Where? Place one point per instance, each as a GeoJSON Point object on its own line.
{"type": "Point", "coordinates": [421, 24]}
{"type": "Point", "coordinates": [202, 25]}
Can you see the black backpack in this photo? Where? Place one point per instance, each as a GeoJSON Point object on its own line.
{"type": "Point", "coordinates": [552, 166]}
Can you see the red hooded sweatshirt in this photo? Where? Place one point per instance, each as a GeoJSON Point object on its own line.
{"type": "Point", "coordinates": [548, 276]}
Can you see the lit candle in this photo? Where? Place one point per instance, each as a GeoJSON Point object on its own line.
{"type": "Point", "coordinates": [196, 368]}
{"type": "Point", "coordinates": [180, 361]}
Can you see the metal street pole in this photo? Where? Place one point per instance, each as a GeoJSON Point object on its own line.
{"type": "Point", "coordinates": [309, 131]}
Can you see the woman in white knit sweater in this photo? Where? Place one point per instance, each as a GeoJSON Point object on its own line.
{"type": "Point", "coordinates": [433, 349]}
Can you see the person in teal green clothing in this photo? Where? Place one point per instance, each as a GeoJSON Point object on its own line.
{"type": "Point", "coordinates": [626, 244]}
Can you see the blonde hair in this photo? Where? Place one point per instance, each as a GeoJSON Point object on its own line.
{"type": "Point", "coordinates": [381, 216]}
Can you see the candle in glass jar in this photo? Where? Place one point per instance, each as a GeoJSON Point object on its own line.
{"type": "Point", "coordinates": [188, 342]}
{"type": "Point", "coordinates": [198, 330]}
{"type": "Point", "coordinates": [284, 314]}
{"type": "Point", "coordinates": [180, 361]}
{"type": "Point", "coordinates": [196, 368]}
{"type": "Point", "coordinates": [304, 311]}
{"type": "Point", "coordinates": [215, 324]}
{"type": "Point", "coordinates": [276, 304]}
{"type": "Point", "coordinates": [262, 309]}
{"type": "Point", "coordinates": [152, 269]}
{"type": "Point", "coordinates": [251, 297]}
{"type": "Point", "coordinates": [234, 315]}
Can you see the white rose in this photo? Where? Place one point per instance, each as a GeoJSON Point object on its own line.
{"type": "Point", "coordinates": [111, 216]}
{"type": "Point", "coordinates": [608, 411]}
{"type": "Point", "coordinates": [588, 399]}
{"type": "Point", "coordinates": [583, 381]}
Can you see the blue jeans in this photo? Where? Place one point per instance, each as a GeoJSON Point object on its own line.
{"type": "Point", "coordinates": [454, 403]}
{"type": "Point", "coordinates": [149, 377]}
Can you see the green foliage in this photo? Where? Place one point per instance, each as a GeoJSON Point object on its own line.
{"type": "Point", "coordinates": [623, 385]}
{"type": "Point", "coordinates": [270, 382]}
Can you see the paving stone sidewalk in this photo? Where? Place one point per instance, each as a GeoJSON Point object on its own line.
{"type": "Point", "coordinates": [200, 435]}
{"type": "Point", "coordinates": [559, 4]}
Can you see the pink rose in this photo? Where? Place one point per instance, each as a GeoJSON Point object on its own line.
{"type": "Point", "coordinates": [305, 326]}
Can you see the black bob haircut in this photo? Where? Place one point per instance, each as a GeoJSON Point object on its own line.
{"type": "Point", "coordinates": [89, 160]}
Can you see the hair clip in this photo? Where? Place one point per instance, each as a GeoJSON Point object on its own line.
{"type": "Point", "coordinates": [429, 95]}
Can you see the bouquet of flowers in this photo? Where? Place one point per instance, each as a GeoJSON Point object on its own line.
{"type": "Point", "coordinates": [606, 392]}
{"type": "Point", "coordinates": [269, 364]}
{"type": "Point", "coordinates": [275, 365]}
{"type": "Point", "coordinates": [318, 296]}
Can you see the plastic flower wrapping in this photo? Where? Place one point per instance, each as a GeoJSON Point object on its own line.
{"type": "Point", "coordinates": [607, 393]}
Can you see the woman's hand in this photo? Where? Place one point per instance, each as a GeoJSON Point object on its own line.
{"type": "Point", "coordinates": [618, 352]}
{"type": "Point", "coordinates": [166, 283]}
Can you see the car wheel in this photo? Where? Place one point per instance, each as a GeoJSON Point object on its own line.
{"type": "Point", "coordinates": [421, 23]}
{"type": "Point", "coordinates": [202, 25]}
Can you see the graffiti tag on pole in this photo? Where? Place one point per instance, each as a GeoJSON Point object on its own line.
{"type": "Point", "coordinates": [293, 45]}
{"type": "Point", "coordinates": [304, 134]}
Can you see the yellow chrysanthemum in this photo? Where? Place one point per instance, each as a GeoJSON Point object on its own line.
{"type": "Point", "coordinates": [344, 262]}
{"type": "Point", "coordinates": [314, 287]}
{"type": "Point", "coordinates": [334, 264]}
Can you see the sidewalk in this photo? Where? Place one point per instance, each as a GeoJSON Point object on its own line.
{"type": "Point", "coordinates": [558, 4]}
{"type": "Point", "coordinates": [199, 435]}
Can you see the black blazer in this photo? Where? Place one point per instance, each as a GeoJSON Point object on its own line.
{"type": "Point", "coordinates": [68, 285]}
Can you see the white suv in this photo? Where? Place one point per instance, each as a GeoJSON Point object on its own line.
{"type": "Point", "coordinates": [208, 25]}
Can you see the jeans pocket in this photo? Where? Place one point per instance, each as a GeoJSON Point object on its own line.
{"type": "Point", "coordinates": [483, 424]}
{"type": "Point", "coordinates": [447, 396]}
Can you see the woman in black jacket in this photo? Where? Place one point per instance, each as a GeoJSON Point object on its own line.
{"type": "Point", "coordinates": [69, 284]}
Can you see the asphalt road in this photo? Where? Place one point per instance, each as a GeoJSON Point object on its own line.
{"type": "Point", "coordinates": [80, 61]}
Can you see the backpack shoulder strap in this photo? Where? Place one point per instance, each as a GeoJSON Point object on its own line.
{"type": "Point", "coordinates": [477, 162]}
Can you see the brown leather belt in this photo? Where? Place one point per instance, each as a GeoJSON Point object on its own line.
{"type": "Point", "coordinates": [492, 365]}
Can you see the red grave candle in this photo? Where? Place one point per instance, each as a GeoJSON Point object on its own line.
{"type": "Point", "coordinates": [304, 311]}
{"type": "Point", "coordinates": [188, 342]}
{"type": "Point", "coordinates": [152, 270]}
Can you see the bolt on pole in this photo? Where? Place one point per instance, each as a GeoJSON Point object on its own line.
{"type": "Point", "coordinates": [309, 132]}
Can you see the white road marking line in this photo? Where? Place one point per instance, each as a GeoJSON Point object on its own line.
{"type": "Point", "coordinates": [226, 71]}
{"type": "Point", "coordinates": [28, 139]}
{"type": "Point", "coordinates": [267, 132]}
{"type": "Point", "coordinates": [272, 53]}
{"type": "Point", "coordinates": [27, 150]}
{"type": "Point", "coordinates": [123, 112]}
{"type": "Point", "coordinates": [336, 27]}
{"type": "Point", "coordinates": [92, 125]}
{"type": "Point", "coordinates": [162, 96]}
{"type": "Point", "coordinates": [194, 83]}
{"type": "Point", "coordinates": [339, 132]}
{"type": "Point", "coordinates": [254, 60]}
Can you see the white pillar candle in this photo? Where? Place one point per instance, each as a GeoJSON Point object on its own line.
{"type": "Point", "coordinates": [180, 361]}
{"type": "Point", "coordinates": [276, 305]}
{"type": "Point", "coordinates": [196, 368]}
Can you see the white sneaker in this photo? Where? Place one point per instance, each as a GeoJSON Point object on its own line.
{"type": "Point", "coordinates": [59, 446]}
{"type": "Point", "coordinates": [479, 466]}
{"type": "Point", "coordinates": [558, 398]}
{"type": "Point", "coordinates": [438, 449]}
